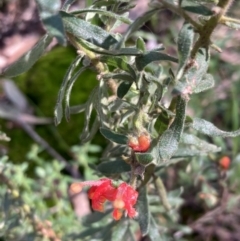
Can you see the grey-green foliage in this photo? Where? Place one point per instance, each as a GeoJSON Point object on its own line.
{"type": "Point", "coordinates": [28, 59]}
{"type": "Point", "coordinates": [49, 13]}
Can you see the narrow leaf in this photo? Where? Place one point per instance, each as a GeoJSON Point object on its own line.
{"type": "Point", "coordinates": [185, 41]}
{"type": "Point", "coordinates": [123, 89]}
{"type": "Point", "coordinates": [201, 145]}
{"type": "Point", "coordinates": [49, 13]}
{"type": "Point", "coordinates": [141, 44]}
{"type": "Point", "coordinates": [209, 129]}
{"type": "Point", "coordinates": [88, 113]}
{"type": "Point", "coordinates": [58, 110]}
{"type": "Point", "coordinates": [169, 140]}
{"type": "Point", "coordinates": [143, 211]}
{"type": "Point", "coordinates": [123, 76]}
{"type": "Point", "coordinates": [194, 7]}
{"type": "Point", "coordinates": [28, 59]}
{"type": "Point", "coordinates": [113, 136]}
{"type": "Point", "coordinates": [89, 32]}
{"type": "Point", "coordinates": [145, 59]}
{"type": "Point", "coordinates": [94, 217]}
{"type": "Point", "coordinates": [117, 166]}
{"type": "Point", "coordinates": [135, 26]}
{"type": "Point", "coordinates": [69, 89]}
{"type": "Point", "coordinates": [103, 12]}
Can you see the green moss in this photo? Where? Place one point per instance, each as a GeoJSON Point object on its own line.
{"type": "Point", "coordinates": [41, 85]}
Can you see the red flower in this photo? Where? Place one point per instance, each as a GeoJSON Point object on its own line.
{"type": "Point", "coordinates": [124, 197]}
{"type": "Point", "coordinates": [140, 143]}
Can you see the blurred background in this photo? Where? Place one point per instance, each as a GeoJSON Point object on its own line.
{"type": "Point", "coordinates": [26, 111]}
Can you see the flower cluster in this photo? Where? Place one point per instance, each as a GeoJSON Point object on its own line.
{"type": "Point", "coordinates": [123, 197]}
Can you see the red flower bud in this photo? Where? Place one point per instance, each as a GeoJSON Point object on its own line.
{"type": "Point", "coordinates": [224, 162]}
{"type": "Point", "coordinates": [139, 144]}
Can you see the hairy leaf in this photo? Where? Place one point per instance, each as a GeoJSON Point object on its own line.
{"type": "Point", "coordinates": [89, 32]}
{"type": "Point", "coordinates": [209, 129]}
{"type": "Point", "coordinates": [119, 230]}
{"type": "Point", "coordinates": [206, 83]}
{"type": "Point", "coordinates": [143, 211]}
{"type": "Point", "coordinates": [168, 143]}
{"type": "Point", "coordinates": [185, 41]}
{"type": "Point", "coordinates": [28, 59]}
{"type": "Point", "coordinates": [154, 231]}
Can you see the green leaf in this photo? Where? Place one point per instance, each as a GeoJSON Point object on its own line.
{"type": "Point", "coordinates": [141, 44]}
{"type": "Point", "coordinates": [135, 26]}
{"type": "Point", "coordinates": [209, 129]}
{"type": "Point", "coordinates": [69, 89]}
{"type": "Point", "coordinates": [94, 217]}
{"type": "Point", "coordinates": [88, 113]}
{"type": "Point", "coordinates": [142, 208]}
{"type": "Point", "coordinates": [120, 52]}
{"type": "Point", "coordinates": [49, 13]}
{"type": "Point", "coordinates": [119, 63]}
{"type": "Point", "coordinates": [194, 74]}
{"type": "Point", "coordinates": [119, 231]}
{"type": "Point", "coordinates": [113, 136]}
{"type": "Point", "coordinates": [201, 145]}
{"type": "Point", "coordinates": [144, 158]}
{"type": "Point", "coordinates": [58, 110]}
{"type": "Point", "coordinates": [123, 88]}
{"type": "Point", "coordinates": [145, 59]}
{"type": "Point", "coordinates": [168, 143]}
{"type": "Point", "coordinates": [185, 42]}
{"type": "Point", "coordinates": [28, 59]}
{"type": "Point", "coordinates": [154, 231]}
{"type": "Point", "coordinates": [123, 76]}
{"type": "Point", "coordinates": [195, 7]}
{"type": "Point", "coordinates": [113, 167]}
{"type": "Point", "coordinates": [84, 30]}
{"type": "Point", "coordinates": [103, 12]}
{"type": "Point", "coordinates": [206, 83]}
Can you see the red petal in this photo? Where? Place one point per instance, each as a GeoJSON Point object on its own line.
{"type": "Point", "coordinates": [98, 204]}
{"type": "Point", "coordinates": [117, 214]}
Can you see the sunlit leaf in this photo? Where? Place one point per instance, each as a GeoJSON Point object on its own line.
{"type": "Point", "coordinates": [168, 143]}
{"type": "Point", "coordinates": [185, 41]}
{"type": "Point", "coordinates": [206, 83]}
{"type": "Point", "coordinates": [120, 63]}
{"type": "Point", "coordinates": [209, 129]}
{"type": "Point", "coordinates": [91, 33]}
